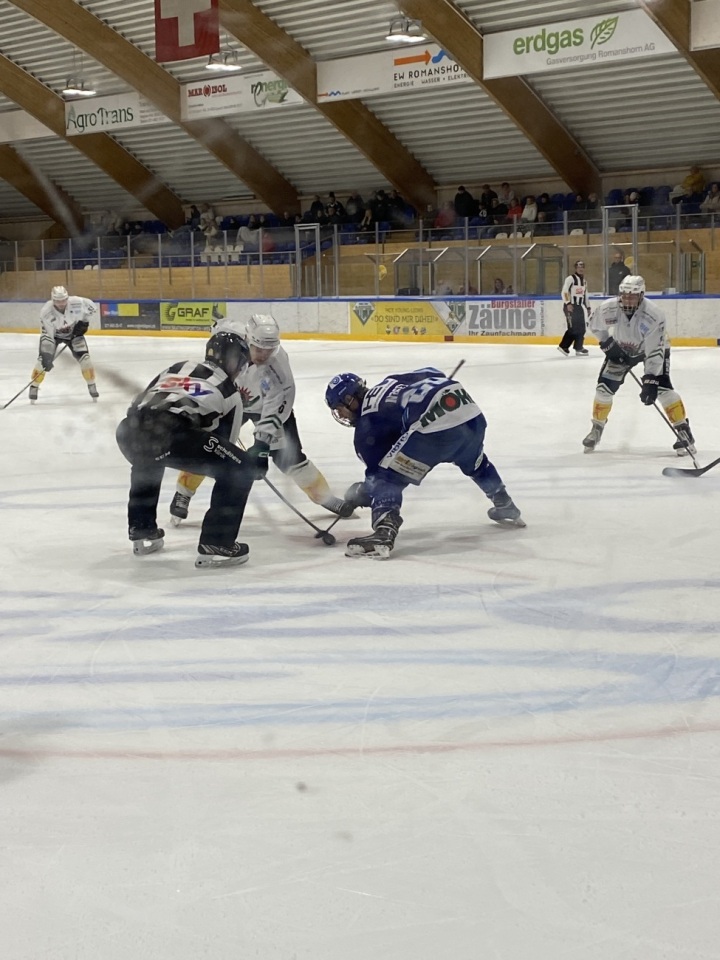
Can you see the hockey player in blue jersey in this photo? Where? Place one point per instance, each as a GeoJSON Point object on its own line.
{"type": "Point", "coordinates": [404, 426]}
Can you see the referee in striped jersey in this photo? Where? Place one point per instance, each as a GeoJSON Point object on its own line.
{"type": "Point", "coordinates": [577, 311]}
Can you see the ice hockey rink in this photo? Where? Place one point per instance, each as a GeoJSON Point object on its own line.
{"type": "Point", "coordinates": [500, 744]}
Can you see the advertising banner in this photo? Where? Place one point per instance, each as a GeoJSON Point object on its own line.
{"type": "Point", "coordinates": [110, 113]}
{"type": "Point", "coordinates": [405, 319]}
{"type": "Point", "coordinates": [514, 317]}
{"type": "Point", "coordinates": [185, 29]}
{"type": "Point", "coordinates": [116, 315]}
{"type": "Point", "coordinates": [573, 43]}
{"type": "Point", "coordinates": [235, 94]}
{"type": "Point", "coordinates": [416, 67]}
{"type": "Point", "coordinates": [185, 315]}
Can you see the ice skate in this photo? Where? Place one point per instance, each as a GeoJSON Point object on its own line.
{"type": "Point", "coordinates": [33, 394]}
{"type": "Point", "coordinates": [341, 508]}
{"type": "Point", "coordinates": [145, 541]}
{"type": "Point", "coordinates": [379, 544]}
{"type": "Point", "coordinates": [593, 438]}
{"type": "Point", "coordinates": [179, 509]}
{"type": "Point", "coordinates": [93, 391]}
{"type": "Point", "coordinates": [213, 555]}
{"type": "Point", "coordinates": [582, 352]}
{"type": "Point", "coordinates": [685, 442]}
{"type": "Point", "coordinates": [504, 510]}
{"type": "Point", "coordinates": [563, 351]}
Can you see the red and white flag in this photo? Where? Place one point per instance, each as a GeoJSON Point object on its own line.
{"type": "Point", "coordinates": [186, 29]}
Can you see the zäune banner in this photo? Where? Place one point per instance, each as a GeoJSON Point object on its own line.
{"type": "Point", "coordinates": [182, 315]}
{"type": "Point", "coordinates": [142, 315]}
{"type": "Point", "coordinates": [573, 43]}
{"type": "Point", "coordinates": [514, 317]}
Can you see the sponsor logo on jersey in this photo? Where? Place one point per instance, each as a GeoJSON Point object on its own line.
{"type": "Point", "coordinates": [194, 387]}
{"type": "Point", "coordinates": [213, 445]}
{"type": "Point", "coordinates": [448, 402]}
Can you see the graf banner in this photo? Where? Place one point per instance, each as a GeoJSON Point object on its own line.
{"type": "Point", "coordinates": [117, 315]}
{"type": "Point", "coordinates": [405, 319]}
{"type": "Point", "coordinates": [514, 317]}
{"type": "Point", "coordinates": [180, 315]}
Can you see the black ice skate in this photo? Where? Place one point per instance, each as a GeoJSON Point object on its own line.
{"type": "Point", "coordinates": [685, 442]}
{"type": "Point", "coordinates": [378, 545]}
{"type": "Point", "coordinates": [93, 391]}
{"type": "Point", "coordinates": [148, 540]}
{"type": "Point", "coordinates": [593, 438]}
{"type": "Point", "coordinates": [33, 394]}
{"type": "Point", "coordinates": [563, 351]}
{"type": "Point", "coordinates": [582, 352]}
{"type": "Point", "coordinates": [504, 510]}
{"type": "Point", "coordinates": [213, 555]}
{"type": "Point", "coordinates": [341, 508]}
{"type": "Point", "coordinates": [179, 509]}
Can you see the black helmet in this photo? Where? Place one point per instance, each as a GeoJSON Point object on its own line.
{"type": "Point", "coordinates": [229, 351]}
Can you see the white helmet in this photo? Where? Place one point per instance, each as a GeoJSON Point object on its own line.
{"type": "Point", "coordinates": [59, 293]}
{"type": "Point", "coordinates": [262, 331]}
{"type": "Point", "coordinates": [631, 291]}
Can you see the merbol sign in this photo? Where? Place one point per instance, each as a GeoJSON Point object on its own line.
{"type": "Point", "coordinates": [573, 43]}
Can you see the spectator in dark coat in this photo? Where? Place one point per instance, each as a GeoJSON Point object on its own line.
{"type": "Point", "coordinates": [617, 272]}
{"type": "Point", "coordinates": [465, 204]}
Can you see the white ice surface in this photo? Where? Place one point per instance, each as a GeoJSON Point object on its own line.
{"type": "Point", "coordinates": [501, 744]}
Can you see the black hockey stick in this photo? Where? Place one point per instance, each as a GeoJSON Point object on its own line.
{"type": "Point", "coordinates": [28, 385]}
{"type": "Point", "coordinates": [451, 376]}
{"type": "Point", "coordinates": [327, 538]}
{"type": "Point", "coordinates": [688, 471]}
{"type": "Point", "coordinates": [663, 417]}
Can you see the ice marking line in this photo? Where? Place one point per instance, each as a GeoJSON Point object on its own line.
{"type": "Point", "coordinates": [233, 755]}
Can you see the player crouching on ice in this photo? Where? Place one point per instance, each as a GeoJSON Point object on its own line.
{"type": "Point", "coordinates": [631, 330]}
{"type": "Point", "coordinates": [188, 418]}
{"type": "Point", "coordinates": [267, 387]}
{"type": "Point", "coordinates": [404, 426]}
{"type": "Point", "coordinates": [64, 320]}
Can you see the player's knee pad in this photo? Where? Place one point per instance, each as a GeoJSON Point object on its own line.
{"type": "Point", "coordinates": [307, 476]}
{"type": "Point", "coordinates": [187, 483]}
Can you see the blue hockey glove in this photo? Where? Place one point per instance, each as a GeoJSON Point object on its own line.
{"type": "Point", "coordinates": [649, 391]}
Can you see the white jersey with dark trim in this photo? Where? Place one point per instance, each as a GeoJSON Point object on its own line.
{"type": "Point", "coordinates": [574, 290]}
{"type": "Point", "coordinates": [58, 325]}
{"type": "Point", "coordinates": [268, 392]}
{"type": "Point", "coordinates": [201, 392]}
{"type": "Point", "coordinates": [642, 335]}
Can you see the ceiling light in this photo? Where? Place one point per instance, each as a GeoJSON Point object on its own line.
{"type": "Point", "coordinates": [226, 62]}
{"type": "Point", "coordinates": [76, 87]}
{"type": "Point", "coordinates": [403, 30]}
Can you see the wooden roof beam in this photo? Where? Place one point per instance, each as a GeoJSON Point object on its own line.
{"type": "Point", "coordinates": [673, 18]}
{"type": "Point", "coordinates": [46, 195]}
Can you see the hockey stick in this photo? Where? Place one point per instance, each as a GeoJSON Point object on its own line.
{"type": "Point", "coordinates": [451, 376]}
{"type": "Point", "coordinates": [663, 417]}
{"type": "Point", "coordinates": [688, 471]}
{"type": "Point", "coordinates": [327, 538]}
{"type": "Point", "coordinates": [28, 385]}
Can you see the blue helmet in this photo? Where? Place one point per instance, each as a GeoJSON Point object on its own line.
{"type": "Point", "coordinates": [341, 391]}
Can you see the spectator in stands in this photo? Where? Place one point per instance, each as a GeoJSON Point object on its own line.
{"type": "Point", "coordinates": [693, 184]}
{"type": "Point", "coordinates": [507, 194]}
{"type": "Point", "coordinates": [498, 212]}
{"type": "Point", "coordinates": [486, 198]}
{"type": "Point", "coordinates": [377, 211]}
{"type": "Point", "coordinates": [334, 210]}
{"type": "Point", "coordinates": [530, 211]}
{"type": "Point", "coordinates": [207, 216]}
{"type": "Point", "coordinates": [316, 214]}
{"type": "Point", "coordinates": [194, 217]}
{"type": "Point", "coordinates": [248, 233]}
{"type": "Point", "coordinates": [398, 217]}
{"type": "Point", "coordinates": [442, 289]}
{"type": "Point", "coordinates": [354, 207]}
{"type": "Point", "coordinates": [542, 228]}
{"type": "Point", "coordinates": [465, 204]}
{"type": "Point", "coordinates": [515, 211]}
{"type": "Point", "coordinates": [631, 196]}
{"type": "Point", "coordinates": [593, 204]}
{"type": "Point", "coordinates": [470, 292]}
{"type": "Point", "coordinates": [498, 286]}
{"type": "Point", "coordinates": [446, 217]}
{"type": "Point", "coordinates": [711, 203]}
{"type": "Point", "coordinates": [544, 204]}
{"type": "Point", "coordinates": [287, 219]}
{"type": "Point", "coordinates": [617, 272]}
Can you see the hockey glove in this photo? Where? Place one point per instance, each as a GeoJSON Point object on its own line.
{"type": "Point", "coordinates": [257, 459]}
{"type": "Point", "coordinates": [46, 361]}
{"type": "Point", "coordinates": [80, 328]}
{"type": "Point", "coordinates": [649, 391]}
{"type": "Point", "coordinates": [357, 496]}
{"type": "Point", "coordinates": [568, 310]}
{"type": "Point", "coordinates": [613, 351]}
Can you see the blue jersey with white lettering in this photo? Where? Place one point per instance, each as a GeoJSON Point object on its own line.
{"type": "Point", "coordinates": [422, 402]}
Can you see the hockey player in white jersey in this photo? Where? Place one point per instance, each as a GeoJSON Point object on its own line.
{"type": "Point", "coordinates": [64, 320]}
{"type": "Point", "coordinates": [188, 418]}
{"type": "Point", "coordinates": [267, 387]}
{"type": "Point", "coordinates": [631, 330]}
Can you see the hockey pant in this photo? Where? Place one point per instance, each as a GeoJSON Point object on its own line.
{"type": "Point", "coordinates": [415, 454]}
{"type": "Point", "coordinates": [612, 376]}
{"type": "Point", "coordinates": [575, 333]}
{"type": "Point", "coordinates": [78, 348]}
{"type": "Point", "coordinates": [159, 440]}
{"type": "Point", "coordinates": [288, 457]}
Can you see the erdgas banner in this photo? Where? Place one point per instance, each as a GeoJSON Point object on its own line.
{"type": "Point", "coordinates": [223, 96]}
{"type": "Point", "coordinates": [616, 38]}
{"type": "Point", "coordinates": [415, 67]}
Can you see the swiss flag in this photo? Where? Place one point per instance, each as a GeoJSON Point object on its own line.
{"type": "Point", "coordinates": [186, 29]}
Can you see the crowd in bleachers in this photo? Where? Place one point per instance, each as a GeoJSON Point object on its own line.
{"type": "Point", "coordinates": [207, 238]}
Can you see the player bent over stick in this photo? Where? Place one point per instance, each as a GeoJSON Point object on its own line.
{"type": "Point", "coordinates": [404, 426]}
{"type": "Point", "coordinates": [267, 387]}
{"type": "Point", "coordinates": [631, 330]}
{"type": "Point", "coordinates": [64, 320]}
{"type": "Point", "coordinates": [188, 418]}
